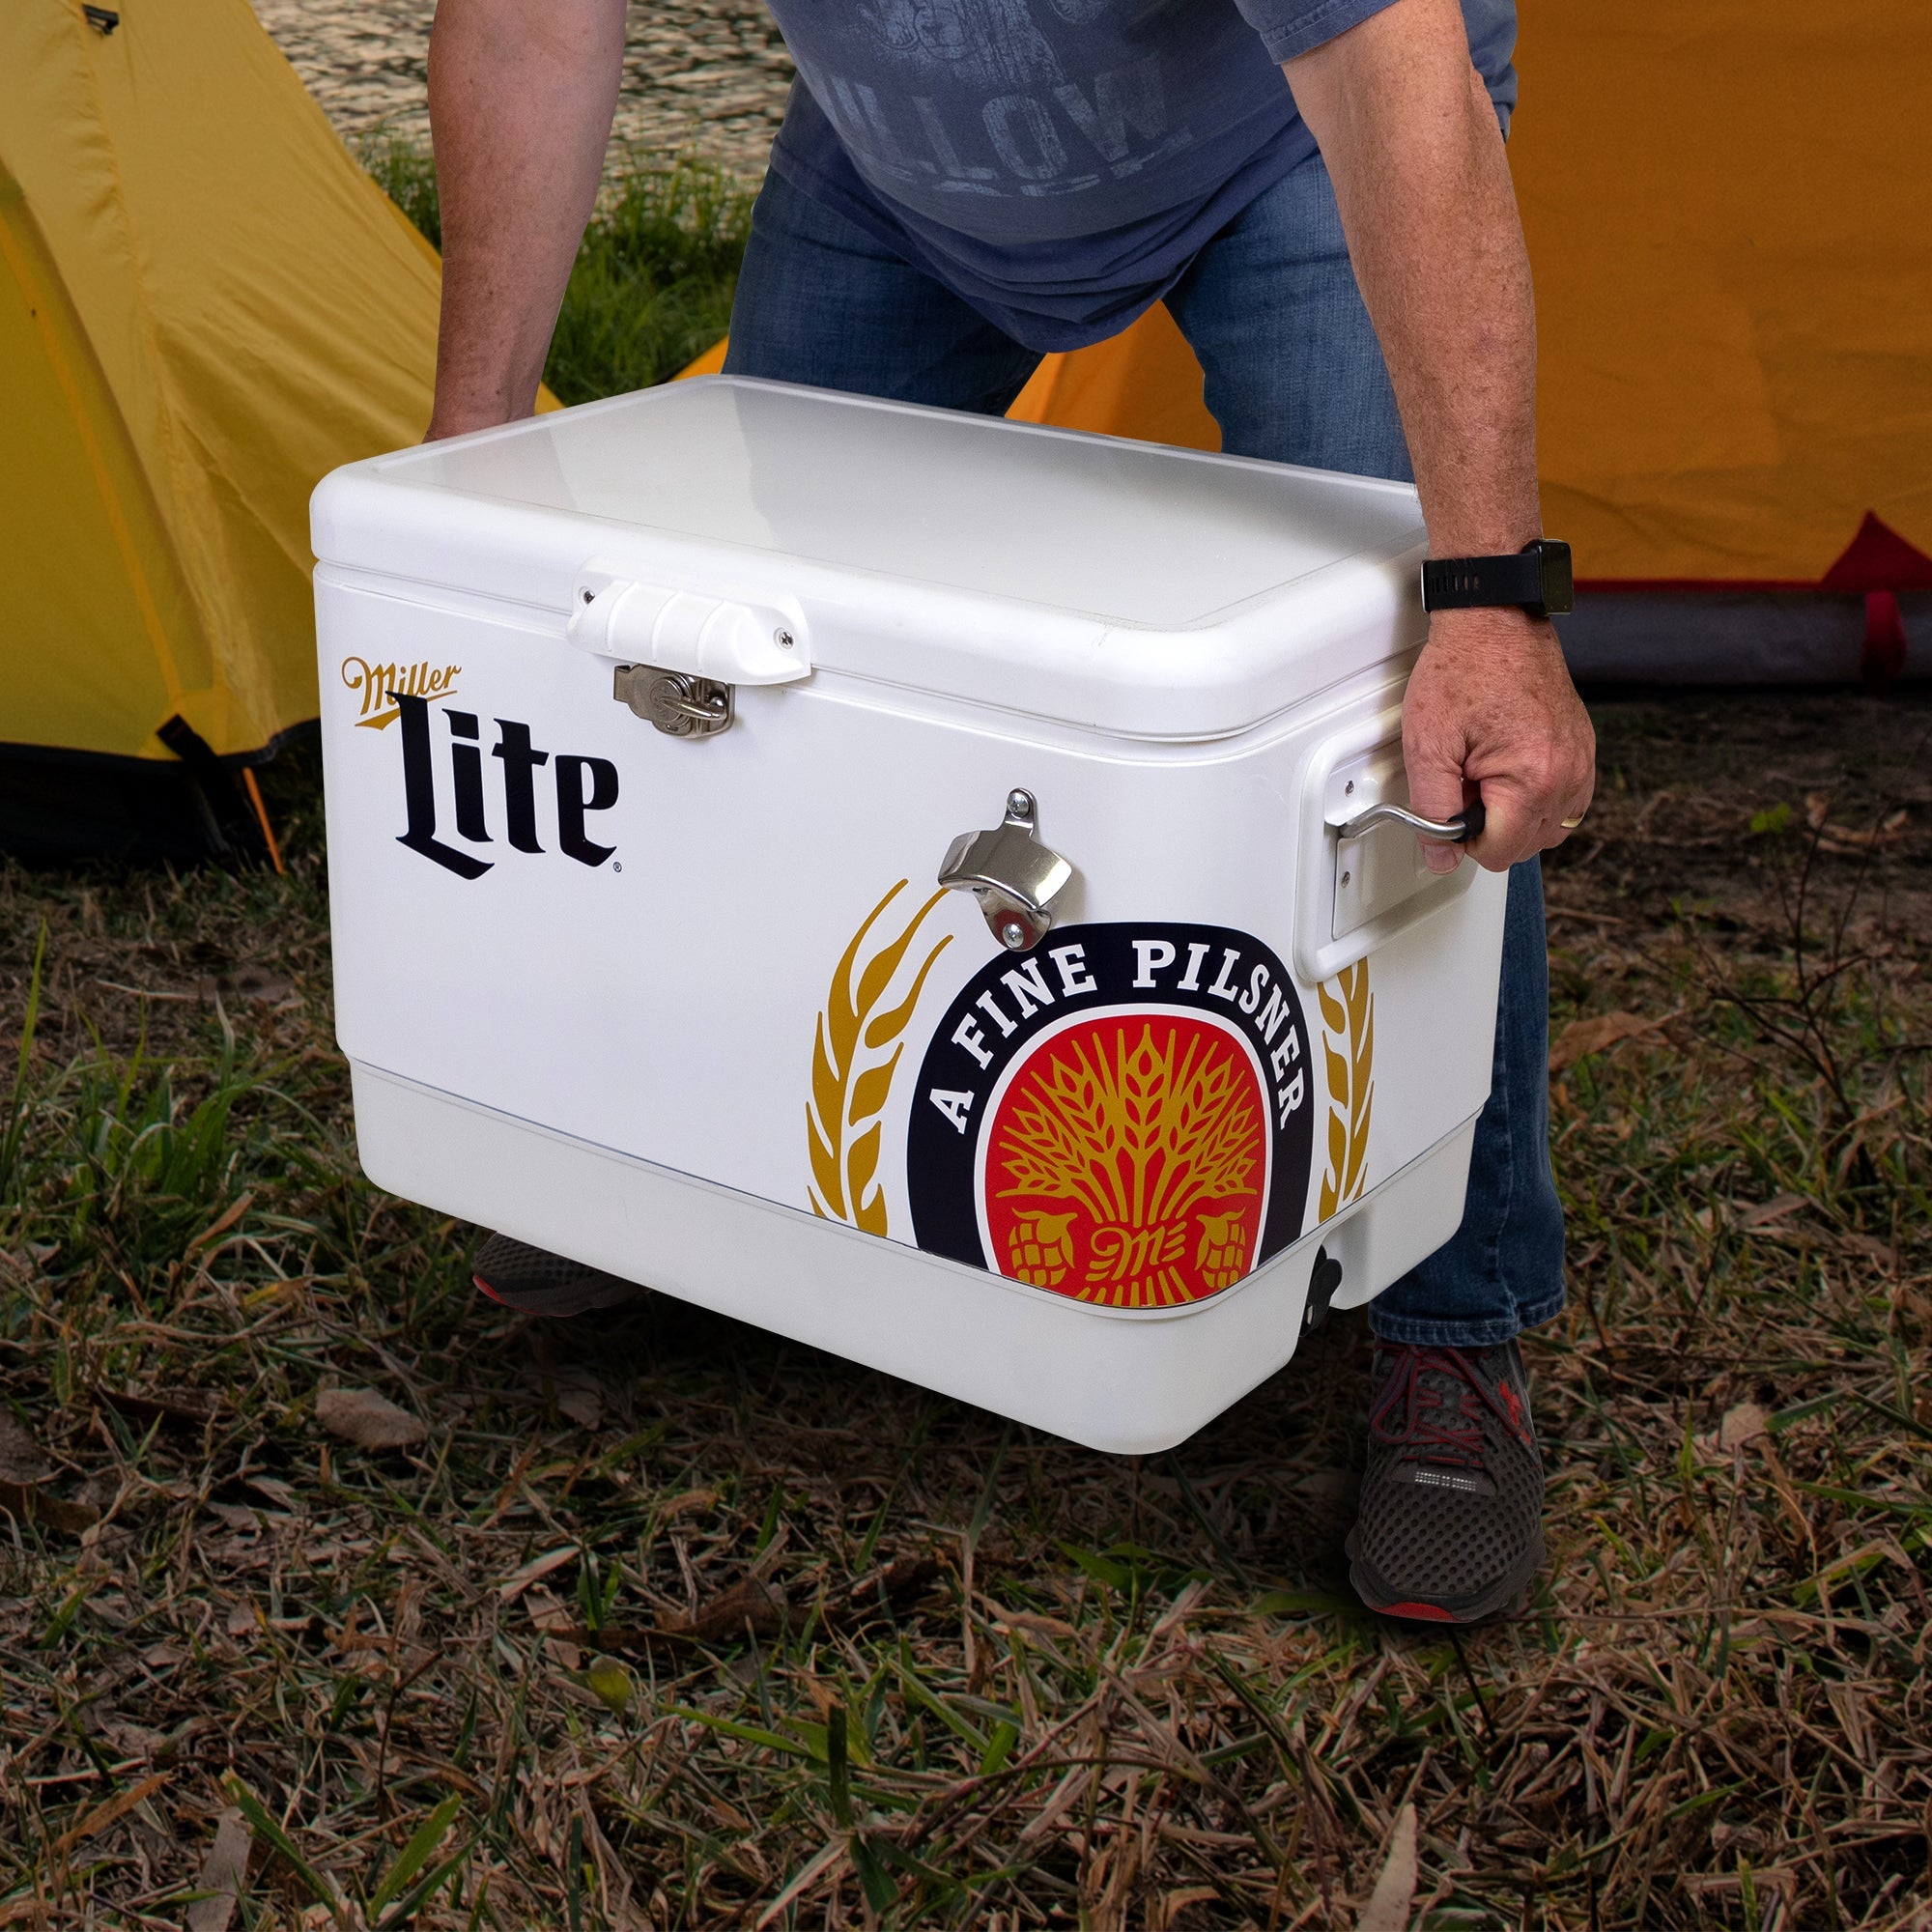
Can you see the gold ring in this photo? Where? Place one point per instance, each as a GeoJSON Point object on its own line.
{"type": "Point", "coordinates": [1570, 824]}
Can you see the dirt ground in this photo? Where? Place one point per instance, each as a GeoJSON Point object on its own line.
{"type": "Point", "coordinates": [1681, 775]}
{"type": "Point", "coordinates": [703, 77]}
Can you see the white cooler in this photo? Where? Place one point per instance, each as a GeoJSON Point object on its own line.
{"type": "Point", "coordinates": [883, 874]}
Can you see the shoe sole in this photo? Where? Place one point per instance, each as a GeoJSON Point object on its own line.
{"type": "Point", "coordinates": [564, 1303]}
{"type": "Point", "coordinates": [1388, 1603]}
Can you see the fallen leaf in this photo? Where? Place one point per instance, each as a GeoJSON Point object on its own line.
{"type": "Point", "coordinates": [25, 1503]}
{"type": "Point", "coordinates": [719, 1621]}
{"type": "Point", "coordinates": [221, 1874]}
{"type": "Point", "coordinates": [551, 1616]}
{"type": "Point", "coordinates": [692, 1502]}
{"type": "Point", "coordinates": [1741, 1424]}
{"type": "Point", "coordinates": [583, 1405]}
{"type": "Point", "coordinates": [256, 982]}
{"type": "Point", "coordinates": [221, 1225]}
{"type": "Point", "coordinates": [1173, 1902]}
{"type": "Point", "coordinates": [21, 1457]}
{"type": "Point", "coordinates": [1745, 1423]}
{"type": "Point", "coordinates": [241, 1620]}
{"type": "Point", "coordinates": [108, 1811]}
{"type": "Point", "coordinates": [723, 1617]}
{"type": "Point", "coordinates": [1762, 1211]}
{"type": "Point", "coordinates": [1882, 1251]}
{"type": "Point", "coordinates": [1388, 1909]}
{"type": "Point", "coordinates": [164, 1404]}
{"type": "Point", "coordinates": [519, 1580]}
{"type": "Point", "coordinates": [728, 1614]}
{"type": "Point", "coordinates": [1028, 1620]}
{"type": "Point", "coordinates": [369, 1420]}
{"type": "Point", "coordinates": [134, 1740]}
{"type": "Point", "coordinates": [1598, 1031]}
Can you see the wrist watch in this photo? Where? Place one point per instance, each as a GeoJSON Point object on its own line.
{"type": "Point", "coordinates": [1536, 580]}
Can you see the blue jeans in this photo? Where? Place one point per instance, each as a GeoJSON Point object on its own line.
{"type": "Point", "coordinates": [1293, 375]}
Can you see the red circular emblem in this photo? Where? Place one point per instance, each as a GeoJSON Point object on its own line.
{"type": "Point", "coordinates": [1126, 1161]}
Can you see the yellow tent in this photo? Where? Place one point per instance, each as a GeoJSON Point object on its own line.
{"type": "Point", "coordinates": [205, 305]}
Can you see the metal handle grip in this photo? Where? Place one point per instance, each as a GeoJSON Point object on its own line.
{"type": "Point", "coordinates": [1451, 831]}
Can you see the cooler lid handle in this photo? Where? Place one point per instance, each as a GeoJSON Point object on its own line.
{"type": "Point", "coordinates": [730, 641]}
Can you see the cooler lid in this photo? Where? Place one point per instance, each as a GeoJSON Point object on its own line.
{"type": "Point", "coordinates": [1192, 571]}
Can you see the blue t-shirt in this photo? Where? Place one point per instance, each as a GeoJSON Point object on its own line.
{"type": "Point", "coordinates": [1058, 163]}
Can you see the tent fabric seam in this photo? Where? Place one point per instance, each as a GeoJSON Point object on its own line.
{"type": "Point", "coordinates": [180, 472]}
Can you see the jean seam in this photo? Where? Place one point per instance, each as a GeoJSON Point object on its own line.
{"type": "Point", "coordinates": [1413, 1332]}
{"type": "Point", "coordinates": [1494, 1255]}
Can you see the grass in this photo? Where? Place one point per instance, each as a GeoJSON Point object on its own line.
{"type": "Point", "coordinates": [651, 287]}
{"type": "Point", "coordinates": [668, 1623]}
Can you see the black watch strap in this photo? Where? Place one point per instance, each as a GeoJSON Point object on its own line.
{"type": "Point", "coordinates": [1537, 579]}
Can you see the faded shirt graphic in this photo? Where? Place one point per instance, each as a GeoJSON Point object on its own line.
{"type": "Point", "coordinates": [1048, 158]}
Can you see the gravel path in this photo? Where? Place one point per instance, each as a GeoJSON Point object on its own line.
{"type": "Point", "coordinates": [707, 76]}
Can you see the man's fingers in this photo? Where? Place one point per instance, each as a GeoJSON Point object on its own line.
{"type": "Point", "coordinates": [1435, 790]}
{"type": "Point", "coordinates": [1509, 831]}
{"type": "Point", "coordinates": [1517, 827]}
{"type": "Point", "coordinates": [1441, 858]}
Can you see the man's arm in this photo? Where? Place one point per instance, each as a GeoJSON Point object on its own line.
{"type": "Point", "coordinates": [1413, 146]}
{"type": "Point", "coordinates": [520, 96]}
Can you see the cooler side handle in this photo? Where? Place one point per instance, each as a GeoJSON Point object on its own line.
{"type": "Point", "coordinates": [1354, 893]}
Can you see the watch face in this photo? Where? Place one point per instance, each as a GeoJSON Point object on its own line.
{"type": "Point", "coordinates": [1558, 590]}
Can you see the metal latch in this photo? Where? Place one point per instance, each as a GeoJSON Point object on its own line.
{"type": "Point", "coordinates": [1013, 876]}
{"type": "Point", "coordinates": [680, 651]}
{"type": "Point", "coordinates": [679, 706]}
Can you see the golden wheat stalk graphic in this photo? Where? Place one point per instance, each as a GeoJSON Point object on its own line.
{"type": "Point", "coordinates": [1349, 1043]}
{"type": "Point", "coordinates": [849, 1083]}
{"type": "Point", "coordinates": [1136, 1138]}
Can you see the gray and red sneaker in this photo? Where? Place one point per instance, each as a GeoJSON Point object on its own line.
{"type": "Point", "coordinates": [1450, 1527]}
{"type": "Point", "coordinates": [533, 1281]}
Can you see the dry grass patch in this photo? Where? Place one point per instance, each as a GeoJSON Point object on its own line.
{"type": "Point", "coordinates": [329, 1587]}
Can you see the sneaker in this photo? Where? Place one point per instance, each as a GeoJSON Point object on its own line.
{"type": "Point", "coordinates": [536, 1282]}
{"type": "Point", "coordinates": [1451, 1521]}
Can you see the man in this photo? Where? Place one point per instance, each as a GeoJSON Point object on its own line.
{"type": "Point", "coordinates": [962, 185]}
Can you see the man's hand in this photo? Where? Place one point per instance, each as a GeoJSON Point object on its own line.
{"type": "Point", "coordinates": [1411, 142]}
{"type": "Point", "coordinates": [520, 96]}
{"type": "Point", "coordinates": [1490, 713]}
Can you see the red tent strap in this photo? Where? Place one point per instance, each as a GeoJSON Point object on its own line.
{"type": "Point", "coordinates": [1883, 658]}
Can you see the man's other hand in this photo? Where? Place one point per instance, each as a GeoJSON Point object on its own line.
{"type": "Point", "coordinates": [1491, 712]}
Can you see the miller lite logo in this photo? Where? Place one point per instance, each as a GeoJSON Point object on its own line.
{"type": "Point", "coordinates": [377, 685]}
{"type": "Point", "coordinates": [514, 807]}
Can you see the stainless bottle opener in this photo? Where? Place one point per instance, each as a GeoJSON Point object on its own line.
{"type": "Point", "coordinates": [1013, 876]}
